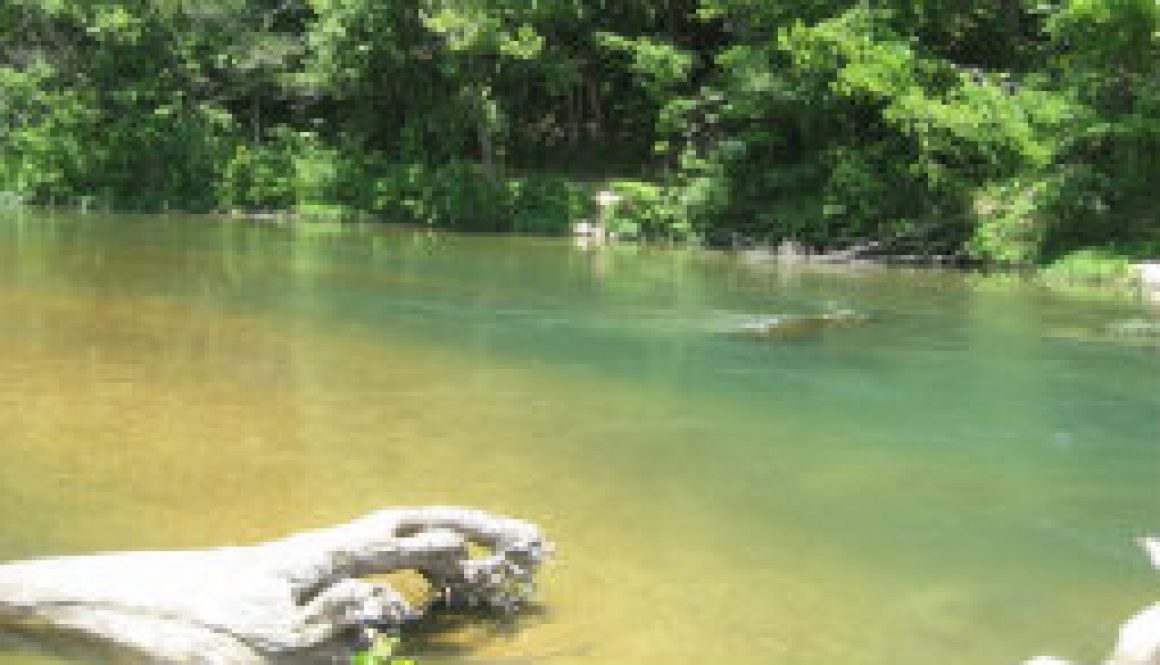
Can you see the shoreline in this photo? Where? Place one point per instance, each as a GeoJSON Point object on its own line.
{"type": "Point", "coordinates": [1144, 281]}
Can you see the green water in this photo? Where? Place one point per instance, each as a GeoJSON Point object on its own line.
{"type": "Point", "coordinates": [954, 482]}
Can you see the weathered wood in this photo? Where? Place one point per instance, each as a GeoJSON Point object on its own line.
{"type": "Point", "coordinates": [272, 601]}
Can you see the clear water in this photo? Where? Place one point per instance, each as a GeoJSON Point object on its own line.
{"type": "Point", "coordinates": [952, 483]}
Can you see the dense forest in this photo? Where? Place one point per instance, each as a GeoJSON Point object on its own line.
{"type": "Point", "coordinates": [1008, 131]}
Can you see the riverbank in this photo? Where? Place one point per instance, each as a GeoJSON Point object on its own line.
{"type": "Point", "coordinates": [631, 212]}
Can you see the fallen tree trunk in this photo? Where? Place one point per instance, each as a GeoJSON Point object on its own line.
{"type": "Point", "coordinates": [275, 601]}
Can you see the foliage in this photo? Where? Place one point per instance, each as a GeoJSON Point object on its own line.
{"type": "Point", "coordinates": [1011, 222]}
{"type": "Point", "coordinates": [660, 66]}
{"type": "Point", "coordinates": [43, 154]}
{"type": "Point", "coordinates": [893, 137]}
{"type": "Point", "coordinates": [548, 204]}
{"type": "Point", "coordinates": [380, 651]}
{"type": "Point", "coordinates": [258, 177]}
{"type": "Point", "coordinates": [460, 195]}
{"type": "Point", "coordinates": [646, 209]}
{"type": "Point", "coordinates": [1012, 130]}
{"type": "Point", "coordinates": [1090, 266]}
{"type": "Point", "coordinates": [290, 169]}
{"type": "Point", "coordinates": [1106, 52]}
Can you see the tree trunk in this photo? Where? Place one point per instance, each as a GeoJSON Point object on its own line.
{"type": "Point", "coordinates": [256, 117]}
{"type": "Point", "coordinates": [487, 150]}
{"type": "Point", "coordinates": [597, 108]}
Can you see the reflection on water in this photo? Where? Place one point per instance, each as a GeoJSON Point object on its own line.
{"type": "Point", "coordinates": [950, 483]}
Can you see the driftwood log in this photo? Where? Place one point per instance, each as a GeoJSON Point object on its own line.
{"type": "Point", "coordinates": [275, 601]}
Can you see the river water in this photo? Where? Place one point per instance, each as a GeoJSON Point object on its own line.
{"type": "Point", "coordinates": [957, 481]}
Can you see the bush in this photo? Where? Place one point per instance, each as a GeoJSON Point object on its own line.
{"type": "Point", "coordinates": [45, 129]}
{"type": "Point", "coordinates": [647, 209]}
{"type": "Point", "coordinates": [547, 204]}
{"type": "Point", "coordinates": [326, 212]}
{"type": "Point", "coordinates": [289, 170]}
{"type": "Point", "coordinates": [1010, 223]}
{"type": "Point", "coordinates": [1090, 267]}
{"type": "Point", "coordinates": [398, 192]}
{"type": "Point", "coordinates": [459, 195]}
{"type": "Point", "coordinates": [452, 195]}
{"type": "Point", "coordinates": [462, 197]}
{"type": "Point", "coordinates": [257, 178]}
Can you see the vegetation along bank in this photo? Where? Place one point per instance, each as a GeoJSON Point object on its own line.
{"type": "Point", "coordinates": [1010, 132]}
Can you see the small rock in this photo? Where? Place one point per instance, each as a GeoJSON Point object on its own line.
{"type": "Point", "coordinates": [1149, 274]}
{"type": "Point", "coordinates": [1151, 545]}
{"type": "Point", "coordinates": [797, 326]}
{"type": "Point", "coordinates": [1139, 641]}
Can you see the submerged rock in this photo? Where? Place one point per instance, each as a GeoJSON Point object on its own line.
{"type": "Point", "coordinates": [278, 601]}
{"type": "Point", "coordinates": [797, 326]}
{"type": "Point", "coordinates": [1129, 332]}
{"type": "Point", "coordinates": [1135, 328]}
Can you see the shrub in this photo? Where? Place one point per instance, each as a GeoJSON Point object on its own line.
{"type": "Point", "coordinates": [257, 177]}
{"type": "Point", "coordinates": [462, 197]}
{"type": "Point", "coordinates": [647, 209]}
{"type": "Point", "coordinates": [398, 192]}
{"type": "Point", "coordinates": [1010, 223]}
{"type": "Point", "coordinates": [289, 170]}
{"type": "Point", "coordinates": [547, 204]}
{"type": "Point", "coordinates": [1090, 267]}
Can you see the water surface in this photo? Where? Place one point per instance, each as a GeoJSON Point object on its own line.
{"type": "Point", "coordinates": [952, 483]}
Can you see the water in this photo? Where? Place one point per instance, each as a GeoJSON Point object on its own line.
{"type": "Point", "coordinates": [954, 482]}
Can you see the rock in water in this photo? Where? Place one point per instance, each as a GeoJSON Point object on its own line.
{"type": "Point", "coordinates": [274, 601]}
{"type": "Point", "coordinates": [1139, 640]}
{"type": "Point", "coordinates": [1131, 332]}
{"type": "Point", "coordinates": [1135, 328]}
{"type": "Point", "coordinates": [798, 326]}
{"type": "Point", "coordinates": [1151, 546]}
